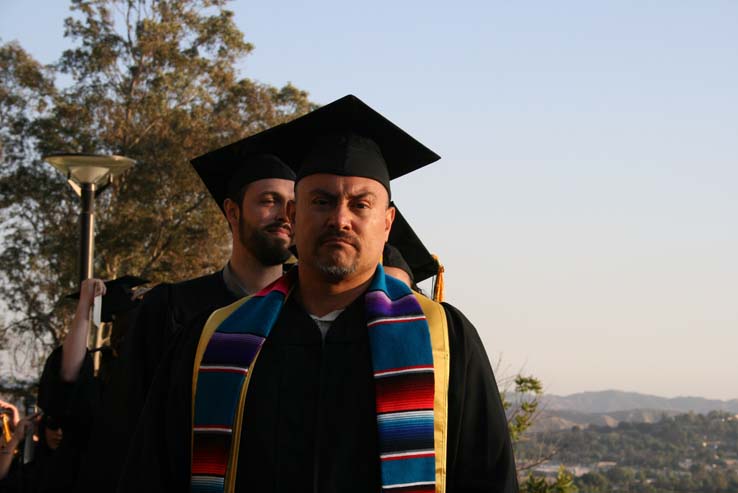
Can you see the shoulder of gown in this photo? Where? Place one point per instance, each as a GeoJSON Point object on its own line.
{"type": "Point", "coordinates": [480, 454]}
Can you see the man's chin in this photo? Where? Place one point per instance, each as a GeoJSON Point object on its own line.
{"type": "Point", "coordinates": [273, 253]}
{"type": "Point", "coordinates": [279, 238]}
{"type": "Point", "coordinates": [336, 271]}
{"type": "Point", "coordinates": [279, 256]}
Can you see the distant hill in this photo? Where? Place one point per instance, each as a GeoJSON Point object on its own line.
{"type": "Point", "coordinates": [611, 407]}
{"type": "Point", "coordinates": [610, 401]}
{"type": "Point", "coordinates": [553, 420]}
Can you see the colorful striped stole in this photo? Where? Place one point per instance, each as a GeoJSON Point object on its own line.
{"type": "Point", "coordinates": [221, 379]}
{"type": "Point", "coordinates": [402, 360]}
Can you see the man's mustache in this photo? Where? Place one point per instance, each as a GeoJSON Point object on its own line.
{"type": "Point", "coordinates": [339, 235]}
{"type": "Point", "coordinates": [277, 225]}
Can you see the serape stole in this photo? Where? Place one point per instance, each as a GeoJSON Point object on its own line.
{"type": "Point", "coordinates": [402, 359]}
{"type": "Point", "coordinates": [222, 367]}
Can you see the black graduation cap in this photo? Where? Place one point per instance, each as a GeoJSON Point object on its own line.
{"type": "Point", "coordinates": [117, 298]}
{"type": "Point", "coordinates": [345, 137]}
{"type": "Point", "coordinates": [225, 174]}
{"type": "Point", "coordinates": [421, 262]}
{"type": "Point", "coordinates": [391, 257]}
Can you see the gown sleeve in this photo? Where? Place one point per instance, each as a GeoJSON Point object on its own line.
{"type": "Point", "coordinates": [68, 399]}
{"type": "Point", "coordinates": [480, 455]}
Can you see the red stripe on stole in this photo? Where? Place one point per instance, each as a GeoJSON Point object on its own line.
{"type": "Point", "coordinates": [412, 489]}
{"type": "Point", "coordinates": [411, 456]}
{"type": "Point", "coordinates": [407, 392]}
{"type": "Point", "coordinates": [401, 368]}
{"type": "Point", "coordinates": [281, 285]}
{"type": "Point", "coordinates": [210, 453]}
{"type": "Point", "coordinates": [242, 371]}
{"type": "Point", "coordinates": [396, 320]}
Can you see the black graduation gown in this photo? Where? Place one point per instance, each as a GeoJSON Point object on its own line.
{"type": "Point", "coordinates": [309, 422]}
{"type": "Point", "coordinates": [55, 471]}
{"type": "Point", "coordinates": [48, 472]}
{"type": "Point", "coordinates": [163, 313]}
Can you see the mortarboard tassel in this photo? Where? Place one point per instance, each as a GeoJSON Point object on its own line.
{"type": "Point", "coordinates": [438, 285]}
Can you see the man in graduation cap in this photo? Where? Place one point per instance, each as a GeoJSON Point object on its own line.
{"type": "Point", "coordinates": [336, 377]}
{"type": "Point", "coordinates": [252, 192]}
{"type": "Point", "coordinates": [406, 258]}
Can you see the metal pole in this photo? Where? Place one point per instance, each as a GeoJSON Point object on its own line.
{"type": "Point", "coordinates": [86, 249]}
{"type": "Point", "coordinates": [87, 231]}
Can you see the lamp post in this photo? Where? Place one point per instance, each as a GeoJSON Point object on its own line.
{"type": "Point", "coordinates": [88, 175]}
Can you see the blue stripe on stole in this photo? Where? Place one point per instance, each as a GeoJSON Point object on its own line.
{"type": "Point", "coordinates": [207, 484]}
{"type": "Point", "coordinates": [217, 397]}
{"type": "Point", "coordinates": [400, 433]}
{"type": "Point", "coordinates": [379, 282]}
{"type": "Point", "coordinates": [257, 316]}
{"type": "Point", "coordinates": [421, 469]}
{"type": "Point", "coordinates": [390, 285]}
{"type": "Point", "coordinates": [404, 344]}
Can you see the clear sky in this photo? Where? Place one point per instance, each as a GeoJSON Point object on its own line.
{"type": "Point", "coordinates": [586, 204]}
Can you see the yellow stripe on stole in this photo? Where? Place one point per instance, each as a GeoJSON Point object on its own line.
{"type": "Point", "coordinates": [438, 325]}
{"type": "Point", "coordinates": [215, 319]}
{"type": "Point", "coordinates": [230, 479]}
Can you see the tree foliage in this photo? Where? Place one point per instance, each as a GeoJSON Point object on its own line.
{"type": "Point", "coordinates": [528, 392]}
{"type": "Point", "coordinates": [522, 405]}
{"type": "Point", "coordinates": [154, 80]}
{"type": "Point", "coordinates": [564, 483]}
{"type": "Point", "coordinates": [689, 453]}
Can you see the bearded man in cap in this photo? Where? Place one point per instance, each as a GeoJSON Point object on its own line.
{"type": "Point", "coordinates": [252, 193]}
{"type": "Point", "coordinates": [336, 377]}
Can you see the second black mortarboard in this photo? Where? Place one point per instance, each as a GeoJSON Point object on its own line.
{"type": "Point", "coordinates": [118, 296]}
{"type": "Point", "coordinates": [422, 263]}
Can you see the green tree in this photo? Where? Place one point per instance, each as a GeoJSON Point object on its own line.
{"type": "Point", "coordinates": [564, 483]}
{"type": "Point", "coordinates": [521, 416]}
{"type": "Point", "coordinates": [154, 80]}
{"type": "Point", "coordinates": [522, 410]}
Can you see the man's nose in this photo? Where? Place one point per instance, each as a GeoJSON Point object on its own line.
{"type": "Point", "coordinates": [340, 217]}
{"type": "Point", "coordinates": [281, 213]}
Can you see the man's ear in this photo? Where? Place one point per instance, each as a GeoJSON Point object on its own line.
{"type": "Point", "coordinates": [389, 218]}
{"type": "Point", "coordinates": [291, 211]}
{"type": "Point", "coordinates": [232, 213]}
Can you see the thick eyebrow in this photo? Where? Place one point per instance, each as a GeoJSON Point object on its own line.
{"type": "Point", "coordinates": [273, 194]}
{"type": "Point", "coordinates": [332, 195]}
{"type": "Point", "coordinates": [270, 193]}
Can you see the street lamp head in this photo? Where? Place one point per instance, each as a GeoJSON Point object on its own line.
{"type": "Point", "coordinates": [85, 173]}
{"type": "Point", "coordinates": [89, 169]}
